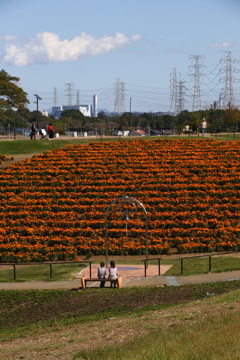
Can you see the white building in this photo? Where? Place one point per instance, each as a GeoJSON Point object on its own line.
{"type": "Point", "coordinates": [45, 113]}
{"type": "Point", "coordinates": [86, 110]}
{"type": "Point", "coordinates": [120, 132]}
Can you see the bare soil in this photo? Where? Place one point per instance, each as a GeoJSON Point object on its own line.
{"type": "Point", "coordinates": [17, 158]}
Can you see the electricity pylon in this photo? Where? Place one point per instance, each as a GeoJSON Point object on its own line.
{"type": "Point", "coordinates": [229, 79]}
{"type": "Point", "coordinates": [119, 105]}
{"type": "Point", "coordinates": [196, 91]}
{"type": "Point", "coordinates": [69, 93]}
{"type": "Point", "coordinates": [177, 92]}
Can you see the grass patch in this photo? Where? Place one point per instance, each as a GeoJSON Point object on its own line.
{"type": "Point", "coordinates": [200, 265]}
{"type": "Point", "coordinates": [32, 311]}
{"type": "Point", "coordinates": [60, 272]}
{"type": "Point", "coordinates": [35, 146]}
{"type": "Point", "coordinates": [215, 338]}
{"type": "Point", "coordinates": [21, 147]}
{"type": "Point", "coordinates": [58, 323]}
{"type": "Point", "coordinates": [226, 136]}
{"type": "Point", "coordinates": [194, 266]}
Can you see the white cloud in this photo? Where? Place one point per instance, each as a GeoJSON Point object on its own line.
{"type": "Point", "coordinates": [9, 38]}
{"type": "Point", "coordinates": [220, 45]}
{"type": "Point", "coordinates": [47, 47]}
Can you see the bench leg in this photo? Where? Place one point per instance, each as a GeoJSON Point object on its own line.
{"type": "Point", "coordinates": [119, 282]}
{"type": "Point", "coordinates": [83, 283]}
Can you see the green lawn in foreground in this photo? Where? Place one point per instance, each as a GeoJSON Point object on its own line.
{"type": "Point", "coordinates": [215, 338]}
{"type": "Point", "coordinates": [185, 329]}
{"type": "Point", "coordinates": [28, 311]}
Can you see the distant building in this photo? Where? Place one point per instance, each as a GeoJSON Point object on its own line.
{"type": "Point", "coordinates": [45, 113]}
{"type": "Point", "coordinates": [120, 132]}
{"type": "Point", "coordinates": [95, 107]}
{"type": "Point", "coordinates": [162, 132]}
{"type": "Point", "coordinates": [137, 133]}
{"type": "Point", "coordinates": [155, 132]}
{"type": "Point", "coordinates": [57, 111]}
{"type": "Point", "coordinates": [86, 110]}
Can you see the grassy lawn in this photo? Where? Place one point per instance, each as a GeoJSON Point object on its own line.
{"type": "Point", "coordinates": [35, 146]}
{"type": "Point", "coordinates": [200, 265]}
{"type": "Point", "coordinates": [214, 338]}
{"type": "Point", "coordinates": [59, 272]}
{"type": "Point", "coordinates": [27, 310]}
{"type": "Point", "coordinates": [182, 322]}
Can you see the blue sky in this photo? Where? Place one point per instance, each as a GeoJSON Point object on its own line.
{"type": "Point", "coordinates": [90, 44]}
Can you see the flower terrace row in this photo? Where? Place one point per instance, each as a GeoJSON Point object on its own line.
{"type": "Point", "coordinates": [53, 205]}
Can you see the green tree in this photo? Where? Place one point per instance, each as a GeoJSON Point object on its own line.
{"type": "Point", "coordinates": [12, 97]}
{"type": "Point", "coordinates": [196, 119]}
{"type": "Point", "coordinates": [169, 122]}
{"type": "Point", "coordinates": [231, 118]}
{"type": "Point", "coordinates": [59, 126]}
{"type": "Point", "coordinates": [123, 123]}
{"type": "Point", "coordinates": [102, 115]}
{"type": "Point", "coordinates": [183, 118]}
{"type": "Point", "coordinates": [216, 120]}
{"type": "Point", "coordinates": [73, 114]}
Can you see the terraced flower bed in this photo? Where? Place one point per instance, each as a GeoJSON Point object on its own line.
{"type": "Point", "coordinates": [52, 206]}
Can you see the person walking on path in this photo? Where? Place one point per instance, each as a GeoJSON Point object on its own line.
{"type": "Point", "coordinates": [50, 131]}
{"type": "Point", "coordinates": [33, 131]}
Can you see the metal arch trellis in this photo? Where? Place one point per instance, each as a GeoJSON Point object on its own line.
{"type": "Point", "coordinates": [120, 201]}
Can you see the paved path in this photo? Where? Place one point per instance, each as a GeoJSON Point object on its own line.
{"type": "Point", "coordinates": [134, 277]}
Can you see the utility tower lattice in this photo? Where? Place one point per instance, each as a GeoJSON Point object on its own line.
{"type": "Point", "coordinates": [174, 93]}
{"type": "Point", "coordinates": [69, 93]}
{"type": "Point", "coordinates": [119, 105]}
{"type": "Point", "coordinates": [177, 93]}
{"type": "Point", "coordinates": [78, 97]}
{"type": "Point", "coordinates": [181, 96]}
{"type": "Point", "coordinates": [229, 79]}
{"type": "Point", "coordinates": [196, 104]}
{"type": "Point", "coordinates": [55, 96]}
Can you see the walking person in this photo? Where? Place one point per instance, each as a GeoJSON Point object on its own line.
{"type": "Point", "coordinates": [33, 131]}
{"type": "Point", "coordinates": [50, 130]}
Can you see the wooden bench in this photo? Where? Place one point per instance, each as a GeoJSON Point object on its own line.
{"type": "Point", "coordinates": [85, 280]}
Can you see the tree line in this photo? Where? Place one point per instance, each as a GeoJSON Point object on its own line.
{"type": "Point", "coordinates": [15, 114]}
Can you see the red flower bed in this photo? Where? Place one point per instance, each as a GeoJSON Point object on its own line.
{"type": "Point", "coordinates": [53, 205]}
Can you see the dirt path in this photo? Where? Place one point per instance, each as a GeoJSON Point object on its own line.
{"type": "Point", "coordinates": [17, 158]}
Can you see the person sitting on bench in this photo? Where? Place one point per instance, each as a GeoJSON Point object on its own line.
{"type": "Point", "coordinates": [113, 272]}
{"type": "Point", "coordinates": [102, 274]}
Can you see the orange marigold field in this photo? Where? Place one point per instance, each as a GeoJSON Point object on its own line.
{"type": "Point", "coordinates": [53, 205]}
